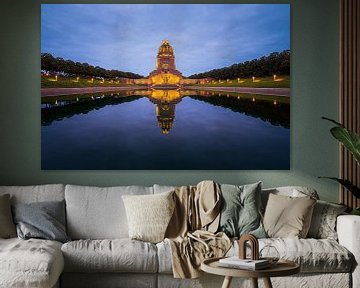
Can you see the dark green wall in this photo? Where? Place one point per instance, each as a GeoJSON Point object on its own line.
{"type": "Point", "coordinates": [314, 88]}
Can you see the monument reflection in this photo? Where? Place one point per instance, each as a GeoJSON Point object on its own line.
{"type": "Point", "coordinates": [165, 101]}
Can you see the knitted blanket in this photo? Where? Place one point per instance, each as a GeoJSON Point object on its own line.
{"type": "Point", "coordinates": [191, 232]}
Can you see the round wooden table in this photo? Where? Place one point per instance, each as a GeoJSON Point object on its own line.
{"type": "Point", "coordinates": [281, 268]}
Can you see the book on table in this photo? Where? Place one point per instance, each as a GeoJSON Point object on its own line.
{"type": "Point", "coordinates": [236, 262]}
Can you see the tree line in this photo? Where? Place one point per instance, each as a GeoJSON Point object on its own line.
{"type": "Point", "coordinates": [275, 63]}
{"type": "Point", "coordinates": [60, 65]}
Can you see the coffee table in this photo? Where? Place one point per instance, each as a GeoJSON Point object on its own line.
{"type": "Point", "coordinates": [281, 268]}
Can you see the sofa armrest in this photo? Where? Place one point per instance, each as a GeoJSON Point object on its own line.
{"type": "Point", "coordinates": [348, 230]}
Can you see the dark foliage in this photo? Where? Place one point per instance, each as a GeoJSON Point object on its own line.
{"type": "Point", "coordinates": [275, 63]}
{"type": "Point", "coordinates": [278, 115]}
{"type": "Point", "coordinates": [60, 65]}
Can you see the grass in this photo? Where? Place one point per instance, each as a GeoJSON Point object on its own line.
{"type": "Point", "coordinates": [281, 81]}
{"type": "Point", "coordinates": [71, 82]}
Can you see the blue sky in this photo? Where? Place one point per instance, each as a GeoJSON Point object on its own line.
{"type": "Point", "coordinates": [127, 36]}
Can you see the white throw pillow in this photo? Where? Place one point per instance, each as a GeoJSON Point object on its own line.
{"type": "Point", "coordinates": [149, 215]}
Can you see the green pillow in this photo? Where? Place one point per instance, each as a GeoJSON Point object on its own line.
{"type": "Point", "coordinates": [240, 212]}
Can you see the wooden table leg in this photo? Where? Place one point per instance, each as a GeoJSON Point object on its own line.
{"type": "Point", "coordinates": [227, 282]}
{"type": "Point", "coordinates": [267, 283]}
{"type": "Point", "coordinates": [254, 282]}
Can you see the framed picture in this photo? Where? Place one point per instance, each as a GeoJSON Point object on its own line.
{"type": "Point", "coordinates": [165, 86]}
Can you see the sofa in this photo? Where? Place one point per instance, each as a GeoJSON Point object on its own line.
{"type": "Point", "coordinates": [100, 253]}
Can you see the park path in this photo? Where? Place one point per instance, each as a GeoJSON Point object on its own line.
{"type": "Point", "coordinates": [250, 90]}
{"type": "Point", "coordinates": [84, 90]}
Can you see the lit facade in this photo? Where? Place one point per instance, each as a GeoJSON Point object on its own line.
{"type": "Point", "coordinates": [165, 73]}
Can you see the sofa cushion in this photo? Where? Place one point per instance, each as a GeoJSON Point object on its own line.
{"type": "Point", "coordinates": [149, 215]}
{"type": "Point", "coordinates": [36, 193]}
{"type": "Point", "coordinates": [117, 255]}
{"type": "Point", "coordinates": [291, 191]}
{"type": "Point", "coordinates": [163, 188]}
{"type": "Point", "coordinates": [313, 255]}
{"type": "Point", "coordinates": [30, 263]}
{"type": "Point", "coordinates": [240, 210]}
{"type": "Point", "coordinates": [98, 213]}
{"type": "Point", "coordinates": [7, 226]}
{"type": "Point", "coordinates": [287, 216]}
{"type": "Point", "coordinates": [323, 222]}
{"type": "Point", "coordinates": [43, 220]}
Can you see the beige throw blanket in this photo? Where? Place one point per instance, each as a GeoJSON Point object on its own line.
{"type": "Point", "coordinates": [190, 232]}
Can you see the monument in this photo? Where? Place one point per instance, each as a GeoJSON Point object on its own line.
{"type": "Point", "coordinates": [165, 73]}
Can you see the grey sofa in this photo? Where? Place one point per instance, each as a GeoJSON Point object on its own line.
{"type": "Point", "coordinates": [101, 254]}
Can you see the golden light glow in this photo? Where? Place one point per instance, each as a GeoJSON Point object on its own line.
{"type": "Point", "coordinates": [165, 95]}
{"type": "Point", "coordinates": [165, 79]}
{"type": "Point", "coordinates": [274, 77]}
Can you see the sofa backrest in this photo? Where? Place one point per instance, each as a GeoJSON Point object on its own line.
{"type": "Point", "coordinates": [98, 212]}
{"type": "Point", "coordinates": [163, 188]}
{"type": "Point", "coordinates": [36, 193]}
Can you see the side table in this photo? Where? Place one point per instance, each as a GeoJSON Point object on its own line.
{"type": "Point", "coordinates": [281, 268]}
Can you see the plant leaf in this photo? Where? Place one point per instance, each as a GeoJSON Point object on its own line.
{"type": "Point", "coordinates": [349, 139]}
{"type": "Point", "coordinates": [347, 184]}
{"type": "Point", "coordinates": [333, 121]}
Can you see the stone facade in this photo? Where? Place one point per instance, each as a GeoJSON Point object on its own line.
{"type": "Point", "coordinates": [165, 73]}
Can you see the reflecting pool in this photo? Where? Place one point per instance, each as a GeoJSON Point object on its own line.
{"type": "Point", "coordinates": [165, 129]}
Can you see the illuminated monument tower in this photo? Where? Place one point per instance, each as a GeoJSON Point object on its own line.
{"type": "Point", "coordinates": [165, 101]}
{"type": "Point", "coordinates": [165, 73]}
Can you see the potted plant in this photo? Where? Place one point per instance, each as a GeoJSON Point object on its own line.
{"type": "Point", "coordinates": [351, 141]}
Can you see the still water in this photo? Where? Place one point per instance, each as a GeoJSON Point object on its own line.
{"type": "Point", "coordinates": [165, 129]}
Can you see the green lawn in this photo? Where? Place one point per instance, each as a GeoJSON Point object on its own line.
{"type": "Point", "coordinates": [70, 82]}
{"type": "Point", "coordinates": [281, 81]}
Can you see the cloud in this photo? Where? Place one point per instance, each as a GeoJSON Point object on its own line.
{"type": "Point", "coordinates": [127, 36]}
